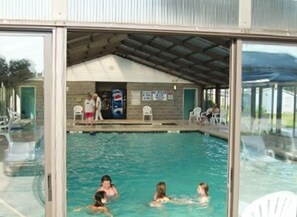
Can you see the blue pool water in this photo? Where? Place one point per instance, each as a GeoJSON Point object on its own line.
{"type": "Point", "coordinates": [136, 162]}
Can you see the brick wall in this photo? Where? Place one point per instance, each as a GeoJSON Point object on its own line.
{"type": "Point", "coordinates": [162, 110]}
{"type": "Point", "coordinates": [77, 93]}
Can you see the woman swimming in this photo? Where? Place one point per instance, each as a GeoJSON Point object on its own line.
{"type": "Point", "coordinates": [202, 191]}
{"type": "Point", "coordinates": [108, 187]}
{"type": "Point", "coordinates": [160, 195]}
{"type": "Point", "coordinates": [99, 205]}
{"type": "Point", "coordinates": [100, 200]}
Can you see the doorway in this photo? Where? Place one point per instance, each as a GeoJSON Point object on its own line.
{"type": "Point", "coordinates": [189, 101]}
{"type": "Point", "coordinates": [28, 102]}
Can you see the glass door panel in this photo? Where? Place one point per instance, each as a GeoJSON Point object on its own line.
{"type": "Point", "coordinates": [22, 186]}
{"type": "Point", "coordinates": [268, 155]}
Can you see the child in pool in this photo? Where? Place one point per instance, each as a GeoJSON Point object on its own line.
{"type": "Point", "coordinates": [202, 191]}
{"type": "Point", "coordinates": [160, 195]}
{"type": "Point", "coordinates": [99, 205]}
{"type": "Point", "coordinates": [108, 187]}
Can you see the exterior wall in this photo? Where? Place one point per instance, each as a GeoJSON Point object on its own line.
{"type": "Point", "coordinates": [162, 110]}
{"type": "Point", "coordinates": [76, 94]}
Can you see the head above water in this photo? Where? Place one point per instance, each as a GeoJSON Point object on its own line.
{"type": "Point", "coordinates": [106, 181]}
{"type": "Point", "coordinates": [161, 189]}
{"type": "Point", "coordinates": [203, 189]}
{"type": "Point", "coordinates": [100, 198]}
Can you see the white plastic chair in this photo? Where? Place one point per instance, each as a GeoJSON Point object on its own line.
{"type": "Point", "coordinates": [278, 204]}
{"type": "Point", "coordinates": [18, 153]}
{"type": "Point", "coordinates": [257, 143]}
{"type": "Point", "coordinates": [219, 118]}
{"type": "Point", "coordinates": [204, 114]}
{"type": "Point", "coordinates": [195, 114]}
{"type": "Point", "coordinates": [147, 111]}
{"type": "Point", "coordinates": [78, 111]}
{"type": "Point", "coordinates": [4, 124]}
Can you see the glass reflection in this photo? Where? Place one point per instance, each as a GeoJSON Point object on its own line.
{"type": "Point", "coordinates": [21, 125]}
{"type": "Point", "coordinates": [268, 154]}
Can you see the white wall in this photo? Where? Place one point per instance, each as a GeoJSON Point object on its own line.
{"type": "Point", "coordinates": [112, 68]}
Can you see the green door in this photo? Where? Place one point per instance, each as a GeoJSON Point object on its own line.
{"type": "Point", "coordinates": [28, 109]}
{"type": "Point", "coordinates": [189, 101]}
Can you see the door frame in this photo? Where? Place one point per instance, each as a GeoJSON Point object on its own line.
{"type": "Point", "coordinates": [196, 98]}
{"type": "Point", "coordinates": [20, 104]}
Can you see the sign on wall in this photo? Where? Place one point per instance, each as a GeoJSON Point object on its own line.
{"type": "Point", "coordinates": [159, 95]}
{"type": "Point", "coordinates": [135, 97]}
{"type": "Point", "coordinates": [146, 95]}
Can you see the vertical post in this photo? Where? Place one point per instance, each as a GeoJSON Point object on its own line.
{"type": "Point", "coordinates": [279, 103]}
{"type": "Point", "coordinates": [234, 132]}
{"type": "Point", "coordinates": [260, 102]}
{"type": "Point", "coordinates": [56, 131]}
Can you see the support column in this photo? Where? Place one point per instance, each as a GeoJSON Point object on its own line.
{"type": "Point", "coordinates": [55, 131]}
{"type": "Point", "coordinates": [234, 128]}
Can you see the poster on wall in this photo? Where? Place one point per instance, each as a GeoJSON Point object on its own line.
{"type": "Point", "coordinates": [135, 97]}
{"type": "Point", "coordinates": [146, 95]}
{"type": "Point", "coordinates": [159, 95]}
{"type": "Point", "coordinates": [170, 96]}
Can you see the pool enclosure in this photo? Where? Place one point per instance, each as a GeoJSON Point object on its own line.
{"type": "Point", "coordinates": [240, 54]}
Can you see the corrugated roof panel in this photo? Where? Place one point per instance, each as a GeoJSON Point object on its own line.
{"type": "Point", "coordinates": [26, 9]}
{"type": "Point", "coordinates": [200, 13]}
{"type": "Point", "coordinates": [274, 14]}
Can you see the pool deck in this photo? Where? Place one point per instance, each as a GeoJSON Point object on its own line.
{"type": "Point", "coordinates": [140, 126]}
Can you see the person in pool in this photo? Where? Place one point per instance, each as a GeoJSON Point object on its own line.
{"type": "Point", "coordinates": [202, 191]}
{"type": "Point", "coordinates": [160, 195]}
{"type": "Point", "coordinates": [99, 205]}
{"type": "Point", "coordinates": [108, 187]}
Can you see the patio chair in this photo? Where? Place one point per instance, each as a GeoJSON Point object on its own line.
{"type": "Point", "coordinates": [257, 143]}
{"type": "Point", "coordinates": [14, 119]}
{"type": "Point", "coordinates": [18, 154]}
{"type": "Point", "coordinates": [219, 118]}
{"type": "Point", "coordinates": [78, 111]}
{"type": "Point", "coordinates": [204, 114]}
{"type": "Point", "coordinates": [147, 111]}
{"type": "Point", "coordinates": [278, 204]}
{"type": "Point", "coordinates": [4, 123]}
{"type": "Point", "coordinates": [195, 114]}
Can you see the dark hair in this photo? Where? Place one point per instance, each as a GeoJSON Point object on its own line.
{"type": "Point", "coordinates": [105, 178]}
{"type": "Point", "coordinates": [161, 189]}
{"type": "Point", "coordinates": [98, 197]}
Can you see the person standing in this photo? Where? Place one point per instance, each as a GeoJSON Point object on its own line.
{"type": "Point", "coordinates": [98, 106]}
{"type": "Point", "coordinates": [89, 109]}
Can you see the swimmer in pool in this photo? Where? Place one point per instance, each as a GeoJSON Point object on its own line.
{"type": "Point", "coordinates": [202, 191]}
{"type": "Point", "coordinates": [99, 205]}
{"type": "Point", "coordinates": [160, 195]}
{"type": "Point", "coordinates": [108, 187]}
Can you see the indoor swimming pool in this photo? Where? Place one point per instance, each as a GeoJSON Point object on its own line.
{"type": "Point", "coordinates": [136, 162]}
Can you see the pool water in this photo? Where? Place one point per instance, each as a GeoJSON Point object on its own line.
{"type": "Point", "coordinates": [136, 162]}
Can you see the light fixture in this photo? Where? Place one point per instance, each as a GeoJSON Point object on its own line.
{"type": "Point", "coordinates": [174, 87]}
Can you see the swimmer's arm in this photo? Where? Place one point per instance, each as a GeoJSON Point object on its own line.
{"type": "Point", "coordinates": [115, 190]}
{"type": "Point", "coordinates": [155, 196]}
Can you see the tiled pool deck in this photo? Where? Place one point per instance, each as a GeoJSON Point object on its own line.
{"type": "Point", "coordinates": [166, 126]}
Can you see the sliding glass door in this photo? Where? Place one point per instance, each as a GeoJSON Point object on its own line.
{"type": "Point", "coordinates": [268, 146]}
{"type": "Point", "coordinates": [23, 61]}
